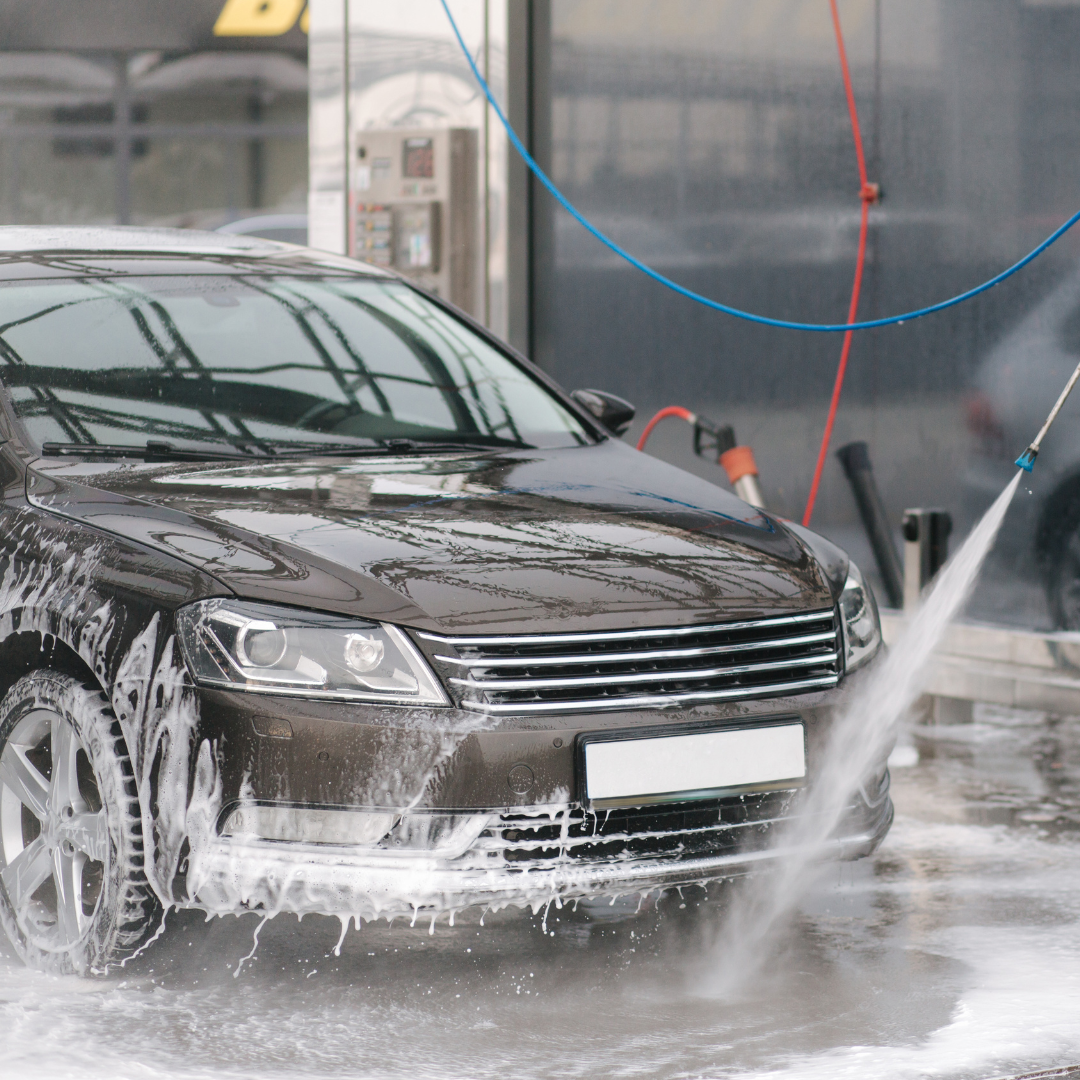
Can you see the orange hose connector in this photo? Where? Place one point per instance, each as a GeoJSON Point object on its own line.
{"type": "Point", "coordinates": [739, 462]}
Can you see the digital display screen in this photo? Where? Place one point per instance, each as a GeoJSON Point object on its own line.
{"type": "Point", "coordinates": [418, 159]}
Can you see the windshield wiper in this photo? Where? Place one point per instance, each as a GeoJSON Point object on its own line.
{"type": "Point", "coordinates": [384, 447]}
{"type": "Point", "coordinates": [159, 450]}
{"type": "Point", "coordinates": [410, 445]}
{"type": "Point", "coordinates": [153, 450]}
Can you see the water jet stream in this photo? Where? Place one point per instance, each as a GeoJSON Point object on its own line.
{"type": "Point", "coordinates": [859, 742]}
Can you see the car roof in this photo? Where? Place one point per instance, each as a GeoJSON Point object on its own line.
{"type": "Point", "coordinates": [16, 238]}
{"type": "Point", "coordinates": [141, 240]}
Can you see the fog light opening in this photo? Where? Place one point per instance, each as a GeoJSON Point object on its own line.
{"type": "Point", "coordinates": [354, 828]}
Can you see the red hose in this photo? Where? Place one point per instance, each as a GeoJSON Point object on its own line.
{"type": "Point", "coordinates": [868, 193]}
{"type": "Point", "coordinates": [671, 410]}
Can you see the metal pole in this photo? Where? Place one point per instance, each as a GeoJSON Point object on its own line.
{"type": "Point", "coordinates": [346, 91]}
{"type": "Point", "coordinates": [487, 170]}
{"type": "Point", "coordinates": [122, 141]}
{"type": "Point", "coordinates": [256, 155]}
{"type": "Point", "coordinates": [682, 154]}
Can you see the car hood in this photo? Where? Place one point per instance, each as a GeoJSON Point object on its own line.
{"type": "Point", "coordinates": [594, 537]}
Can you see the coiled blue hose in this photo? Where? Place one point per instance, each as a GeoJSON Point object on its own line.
{"type": "Point", "coordinates": [764, 320]}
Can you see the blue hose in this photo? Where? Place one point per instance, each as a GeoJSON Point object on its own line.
{"type": "Point", "coordinates": [784, 324]}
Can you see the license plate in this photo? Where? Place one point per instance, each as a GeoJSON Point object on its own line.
{"type": "Point", "coordinates": [668, 768]}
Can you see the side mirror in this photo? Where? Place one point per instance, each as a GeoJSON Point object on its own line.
{"type": "Point", "coordinates": [613, 412]}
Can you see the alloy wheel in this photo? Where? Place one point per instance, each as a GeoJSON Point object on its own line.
{"type": "Point", "coordinates": [53, 831]}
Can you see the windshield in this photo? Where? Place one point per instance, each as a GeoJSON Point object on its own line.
{"type": "Point", "coordinates": [260, 361]}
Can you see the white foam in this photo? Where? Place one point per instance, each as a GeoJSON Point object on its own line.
{"type": "Point", "coordinates": [154, 702]}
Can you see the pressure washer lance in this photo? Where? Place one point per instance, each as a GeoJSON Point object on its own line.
{"type": "Point", "coordinates": [737, 461]}
{"type": "Point", "coordinates": [1027, 459]}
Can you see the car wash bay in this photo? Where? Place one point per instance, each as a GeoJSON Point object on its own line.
{"type": "Point", "coordinates": [713, 141]}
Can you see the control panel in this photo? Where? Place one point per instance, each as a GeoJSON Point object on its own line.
{"type": "Point", "coordinates": [414, 207]}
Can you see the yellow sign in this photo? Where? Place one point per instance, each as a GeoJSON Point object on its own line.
{"type": "Point", "coordinates": [259, 18]}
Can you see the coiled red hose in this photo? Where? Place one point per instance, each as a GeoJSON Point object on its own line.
{"type": "Point", "coordinates": [868, 193]}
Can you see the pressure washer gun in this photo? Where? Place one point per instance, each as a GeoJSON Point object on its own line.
{"type": "Point", "coordinates": [712, 438]}
{"type": "Point", "coordinates": [737, 461]}
{"type": "Point", "coordinates": [1027, 459]}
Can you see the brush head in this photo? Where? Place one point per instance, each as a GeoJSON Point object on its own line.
{"type": "Point", "coordinates": [1027, 459]}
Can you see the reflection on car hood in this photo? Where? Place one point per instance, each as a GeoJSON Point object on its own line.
{"type": "Point", "coordinates": [571, 539]}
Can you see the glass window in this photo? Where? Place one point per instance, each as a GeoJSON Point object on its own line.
{"type": "Point", "coordinates": [712, 140]}
{"type": "Point", "coordinates": [259, 361]}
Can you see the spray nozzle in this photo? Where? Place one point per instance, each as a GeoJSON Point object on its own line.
{"type": "Point", "coordinates": [1027, 459]}
{"type": "Point", "coordinates": [712, 438]}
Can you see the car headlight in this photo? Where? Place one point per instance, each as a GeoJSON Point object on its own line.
{"type": "Point", "coordinates": [279, 650]}
{"type": "Point", "coordinates": [859, 615]}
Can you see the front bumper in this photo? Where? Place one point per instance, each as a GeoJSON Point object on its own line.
{"type": "Point", "coordinates": [240, 874]}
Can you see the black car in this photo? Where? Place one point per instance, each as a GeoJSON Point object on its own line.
{"type": "Point", "coordinates": [314, 596]}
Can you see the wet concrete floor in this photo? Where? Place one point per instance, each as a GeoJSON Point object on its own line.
{"type": "Point", "coordinates": [955, 952]}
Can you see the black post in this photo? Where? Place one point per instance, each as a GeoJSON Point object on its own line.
{"type": "Point", "coordinates": [855, 458]}
{"type": "Point", "coordinates": [926, 532]}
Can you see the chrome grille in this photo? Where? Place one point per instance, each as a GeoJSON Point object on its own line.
{"type": "Point", "coordinates": [631, 669]}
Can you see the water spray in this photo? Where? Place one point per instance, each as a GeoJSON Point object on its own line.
{"type": "Point", "coordinates": [860, 740]}
{"type": "Point", "coordinates": [1027, 459]}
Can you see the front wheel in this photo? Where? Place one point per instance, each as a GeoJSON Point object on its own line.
{"type": "Point", "coordinates": [73, 893]}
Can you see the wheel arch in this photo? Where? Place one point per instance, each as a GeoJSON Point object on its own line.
{"type": "Point", "coordinates": [102, 606]}
{"type": "Point", "coordinates": [143, 678]}
{"type": "Point", "coordinates": [24, 651]}
{"type": "Point", "coordinates": [128, 651]}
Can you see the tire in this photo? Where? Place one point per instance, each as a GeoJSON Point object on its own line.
{"type": "Point", "coordinates": [73, 892]}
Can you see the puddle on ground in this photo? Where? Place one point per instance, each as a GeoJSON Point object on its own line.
{"type": "Point", "coordinates": [955, 951]}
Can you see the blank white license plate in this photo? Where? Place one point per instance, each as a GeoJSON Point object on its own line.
{"type": "Point", "coordinates": [629, 771]}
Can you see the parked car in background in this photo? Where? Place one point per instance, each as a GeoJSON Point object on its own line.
{"type": "Point", "coordinates": [1012, 392]}
{"type": "Point", "coordinates": [288, 228]}
{"type": "Point", "coordinates": [316, 597]}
